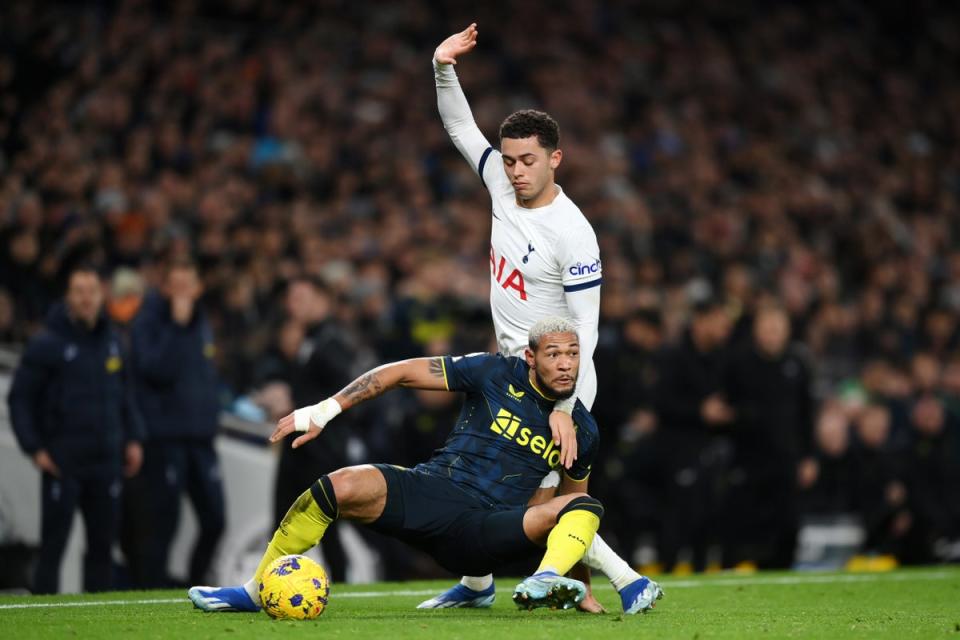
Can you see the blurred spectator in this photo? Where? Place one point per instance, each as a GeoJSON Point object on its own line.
{"type": "Point", "coordinates": [739, 296]}
{"type": "Point", "coordinates": [20, 269]}
{"type": "Point", "coordinates": [767, 384]}
{"type": "Point", "coordinates": [831, 493]}
{"type": "Point", "coordinates": [627, 379]}
{"type": "Point", "coordinates": [242, 333]}
{"type": "Point", "coordinates": [178, 388]}
{"type": "Point", "coordinates": [689, 409]}
{"type": "Point", "coordinates": [882, 496]}
{"type": "Point", "coordinates": [126, 292]}
{"type": "Point", "coordinates": [73, 412]}
{"type": "Point", "coordinates": [127, 289]}
{"type": "Point", "coordinates": [627, 376]}
{"type": "Point", "coordinates": [317, 356]}
{"type": "Point", "coordinates": [934, 477]}
{"type": "Point", "coordinates": [276, 369]}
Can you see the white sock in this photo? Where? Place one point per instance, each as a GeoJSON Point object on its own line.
{"type": "Point", "coordinates": [477, 584]}
{"type": "Point", "coordinates": [252, 587]}
{"type": "Point", "coordinates": [601, 557]}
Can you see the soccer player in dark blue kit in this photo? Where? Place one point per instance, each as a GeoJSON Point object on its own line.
{"type": "Point", "coordinates": [467, 505]}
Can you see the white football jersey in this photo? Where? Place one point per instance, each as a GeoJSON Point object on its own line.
{"type": "Point", "coordinates": [536, 255]}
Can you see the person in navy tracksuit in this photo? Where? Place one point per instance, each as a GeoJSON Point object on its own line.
{"type": "Point", "coordinates": [73, 412]}
{"type": "Point", "coordinates": [177, 388]}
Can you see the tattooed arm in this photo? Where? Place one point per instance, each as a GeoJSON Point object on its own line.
{"type": "Point", "coordinates": [417, 373]}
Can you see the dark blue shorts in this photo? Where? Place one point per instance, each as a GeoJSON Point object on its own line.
{"type": "Point", "coordinates": [464, 535]}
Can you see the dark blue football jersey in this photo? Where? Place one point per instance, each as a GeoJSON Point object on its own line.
{"type": "Point", "coordinates": [501, 447]}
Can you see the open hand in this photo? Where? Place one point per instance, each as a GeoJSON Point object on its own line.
{"type": "Point", "coordinates": [286, 426]}
{"type": "Point", "coordinates": [455, 45]}
{"type": "Point", "coordinates": [310, 420]}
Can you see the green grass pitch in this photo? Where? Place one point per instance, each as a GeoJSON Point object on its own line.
{"type": "Point", "coordinates": [920, 603]}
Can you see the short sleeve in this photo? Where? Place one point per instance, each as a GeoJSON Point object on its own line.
{"type": "Point", "coordinates": [467, 373]}
{"type": "Point", "coordinates": [579, 257]}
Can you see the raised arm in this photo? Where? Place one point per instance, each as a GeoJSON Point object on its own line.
{"type": "Point", "coordinates": [416, 373]}
{"type": "Point", "coordinates": [452, 103]}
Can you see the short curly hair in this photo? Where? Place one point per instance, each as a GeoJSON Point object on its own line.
{"type": "Point", "coordinates": [530, 122]}
{"type": "Point", "coordinates": [549, 324]}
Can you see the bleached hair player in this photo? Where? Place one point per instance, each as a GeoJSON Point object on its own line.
{"type": "Point", "coordinates": [544, 261]}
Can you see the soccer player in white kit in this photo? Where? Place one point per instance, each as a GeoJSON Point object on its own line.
{"type": "Point", "coordinates": [544, 260]}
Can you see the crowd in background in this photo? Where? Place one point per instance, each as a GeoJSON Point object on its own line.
{"type": "Point", "coordinates": [745, 165]}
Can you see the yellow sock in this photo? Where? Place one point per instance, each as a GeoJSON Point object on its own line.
{"type": "Point", "coordinates": [572, 535]}
{"type": "Point", "coordinates": [304, 524]}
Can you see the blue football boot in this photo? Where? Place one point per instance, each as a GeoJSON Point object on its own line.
{"type": "Point", "coordinates": [222, 599]}
{"type": "Point", "coordinates": [461, 596]}
{"type": "Point", "coordinates": [547, 589]}
{"type": "Point", "coordinates": [640, 596]}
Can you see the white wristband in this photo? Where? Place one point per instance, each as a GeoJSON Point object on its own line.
{"type": "Point", "coordinates": [317, 415]}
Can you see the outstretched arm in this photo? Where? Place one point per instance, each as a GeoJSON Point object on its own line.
{"type": "Point", "coordinates": [452, 103]}
{"type": "Point", "coordinates": [416, 373]}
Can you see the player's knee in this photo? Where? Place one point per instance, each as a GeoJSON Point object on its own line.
{"type": "Point", "coordinates": [582, 502]}
{"type": "Point", "coordinates": [356, 486]}
{"type": "Point", "coordinates": [359, 492]}
{"type": "Point", "coordinates": [345, 482]}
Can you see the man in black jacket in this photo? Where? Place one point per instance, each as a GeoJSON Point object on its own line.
{"type": "Point", "coordinates": [73, 412]}
{"type": "Point", "coordinates": [327, 355]}
{"type": "Point", "coordinates": [178, 388]}
{"type": "Point", "coordinates": [627, 376]}
{"type": "Point", "coordinates": [768, 384]}
{"type": "Point", "coordinates": [689, 410]}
